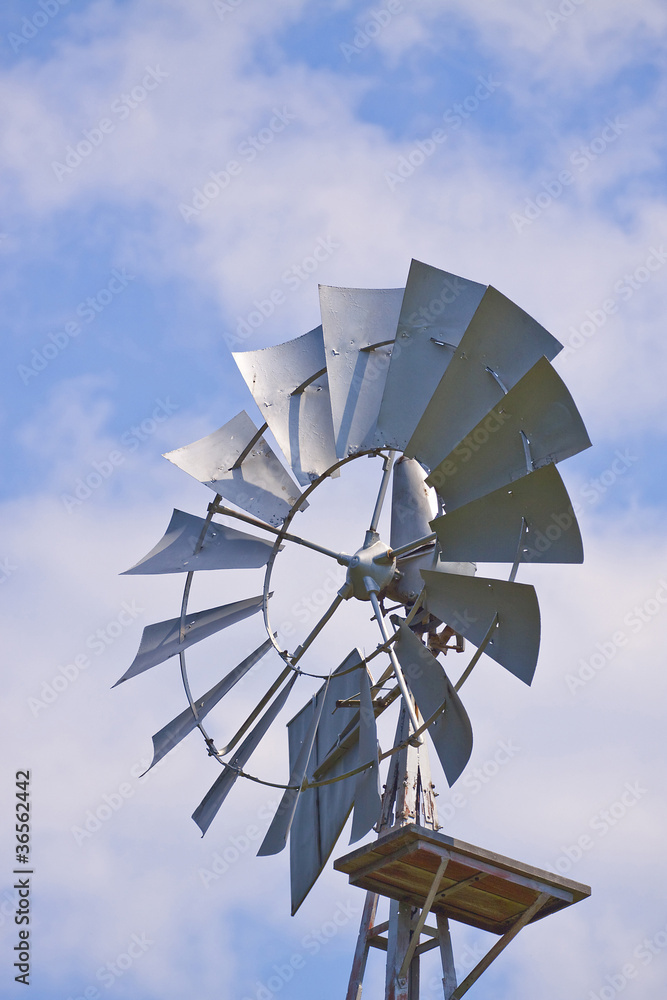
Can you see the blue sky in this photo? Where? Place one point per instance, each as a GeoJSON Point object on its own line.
{"type": "Point", "coordinates": [124, 285]}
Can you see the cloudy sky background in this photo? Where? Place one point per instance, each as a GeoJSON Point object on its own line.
{"type": "Point", "coordinates": [145, 367]}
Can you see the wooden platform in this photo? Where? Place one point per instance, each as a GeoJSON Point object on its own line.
{"type": "Point", "coordinates": [478, 887]}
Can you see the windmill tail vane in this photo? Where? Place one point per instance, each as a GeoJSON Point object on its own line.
{"type": "Point", "coordinates": [457, 397]}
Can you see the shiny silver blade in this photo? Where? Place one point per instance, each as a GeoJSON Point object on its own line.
{"type": "Point", "coordinates": [451, 732]}
{"type": "Point", "coordinates": [367, 795]}
{"type": "Point", "coordinates": [294, 403]}
{"type": "Point", "coordinates": [501, 344]}
{"type": "Point", "coordinates": [161, 641]}
{"type": "Point", "coordinates": [536, 423]}
{"type": "Point", "coordinates": [468, 604]}
{"type": "Point", "coordinates": [355, 321]}
{"type": "Point", "coordinates": [531, 517]}
{"type": "Point", "coordinates": [321, 812]}
{"type": "Point", "coordinates": [176, 730]}
{"type": "Point", "coordinates": [223, 548]}
{"type": "Point", "coordinates": [436, 310]}
{"type": "Point", "coordinates": [260, 485]}
{"type": "Point", "coordinates": [276, 836]}
{"type": "Point", "coordinates": [218, 792]}
{"type": "Point", "coordinates": [413, 507]}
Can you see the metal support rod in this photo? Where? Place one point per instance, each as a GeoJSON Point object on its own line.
{"type": "Point", "coordinates": [426, 909]}
{"type": "Point", "coordinates": [517, 558]}
{"type": "Point", "coordinates": [493, 953]}
{"type": "Point", "coordinates": [388, 462]}
{"type": "Point", "coordinates": [480, 649]}
{"type": "Point", "coordinates": [311, 378]}
{"type": "Point", "coordinates": [387, 557]}
{"type": "Point", "coordinates": [340, 557]}
{"type": "Point", "coordinates": [300, 650]}
{"type": "Point", "coordinates": [396, 665]}
{"type": "Point", "coordinates": [248, 448]}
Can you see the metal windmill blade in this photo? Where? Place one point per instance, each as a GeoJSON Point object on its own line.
{"type": "Point", "coordinates": [448, 384]}
{"type": "Point", "coordinates": [237, 463]}
{"type": "Point", "coordinates": [290, 386]}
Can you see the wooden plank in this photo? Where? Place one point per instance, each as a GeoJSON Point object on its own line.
{"type": "Point", "coordinates": [465, 853]}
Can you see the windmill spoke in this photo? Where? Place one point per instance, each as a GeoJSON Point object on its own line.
{"type": "Point", "coordinates": [402, 550]}
{"type": "Point", "coordinates": [396, 666]}
{"type": "Point", "coordinates": [388, 462]}
{"type": "Point", "coordinates": [308, 641]}
{"type": "Point", "coordinates": [340, 557]}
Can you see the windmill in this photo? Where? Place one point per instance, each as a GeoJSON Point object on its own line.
{"type": "Point", "coordinates": [449, 384]}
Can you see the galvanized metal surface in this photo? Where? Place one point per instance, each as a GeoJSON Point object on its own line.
{"type": "Point", "coordinates": [261, 485]}
{"type": "Point", "coordinates": [451, 732]}
{"type": "Point", "coordinates": [176, 730]}
{"type": "Point", "coordinates": [538, 409]}
{"type": "Point", "coordinates": [223, 548]}
{"type": "Point", "coordinates": [220, 789]}
{"type": "Point", "coordinates": [276, 836]}
{"type": "Point", "coordinates": [436, 310]}
{"type": "Point", "coordinates": [488, 529]}
{"type": "Point", "coordinates": [500, 345]}
{"type": "Point", "coordinates": [301, 422]}
{"type": "Point", "coordinates": [413, 507]}
{"type": "Point", "coordinates": [353, 320]}
{"type": "Point", "coordinates": [321, 812]}
{"type": "Point", "coordinates": [367, 795]}
{"type": "Point", "coordinates": [161, 641]}
{"type": "Point", "coordinates": [468, 604]}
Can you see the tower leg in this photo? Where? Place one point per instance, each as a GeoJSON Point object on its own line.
{"type": "Point", "coordinates": [400, 921]}
{"type": "Point", "coordinates": [447, 956]}
{"type": "Point", "coordinates": [361, 953]}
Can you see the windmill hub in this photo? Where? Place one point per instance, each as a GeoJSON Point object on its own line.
{"type": "Point", "coordinates": [365, 575]}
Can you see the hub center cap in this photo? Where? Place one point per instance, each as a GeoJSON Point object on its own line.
{"type": "Point", "coordinates": [365, 575]}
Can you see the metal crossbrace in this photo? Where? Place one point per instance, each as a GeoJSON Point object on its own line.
{"type": "Point", "coordinates": [499, 946]}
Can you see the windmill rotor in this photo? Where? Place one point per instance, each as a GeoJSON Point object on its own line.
{"type": "Point", "coordinates": [449, 385]}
